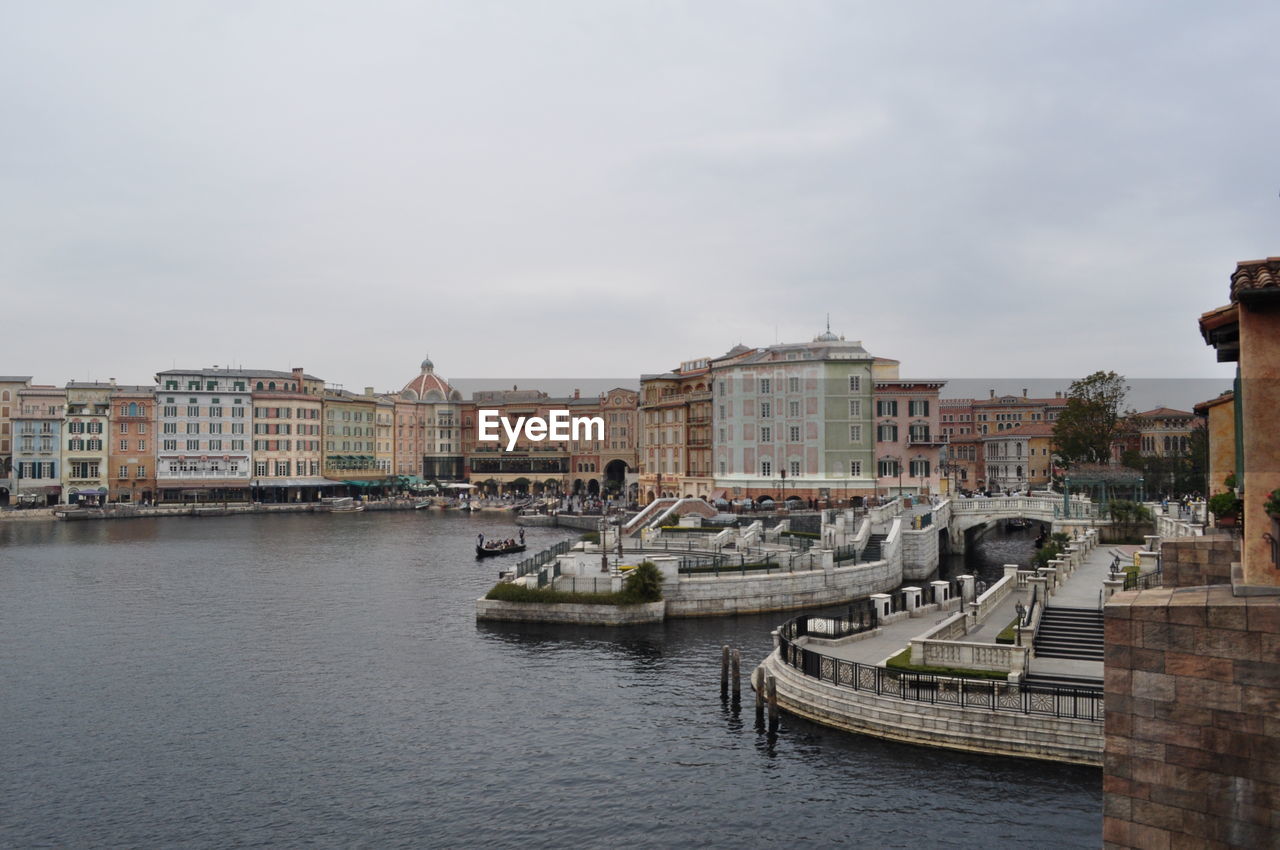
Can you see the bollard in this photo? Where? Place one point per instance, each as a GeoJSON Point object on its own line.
{"type": "Point", "coordinates": [771, 684]}
{"type": "Point", "coordinates": [736, 675]}
{"type": "Point", "coordinates": [724, 669]}
{"type": "Point", "coordinates": [757, 683]}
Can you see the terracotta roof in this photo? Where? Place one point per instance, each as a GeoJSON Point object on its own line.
{"type": "Point", "coordinates": [1202, 409]}
{"type": "Point", "coordinates": [1164, 413]}
{"type": "Point", "coordinates": [1030, 429]}
{"type": "Point", "coordinates": [1252, 275]}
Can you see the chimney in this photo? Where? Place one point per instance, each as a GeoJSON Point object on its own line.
{"type": "Point", "coordinates": [1024, 392]}
{"type": "Point", "coordinates": [111, 381]}
{"type": "Point", "coordinates": [576, 393]}
{"type": "Point", "coordinates": [993, 393]}
{"type": "Point", "coordinates": [1057, 393]}
{"type": "Point", "coordinates": [368, 390]}
{"type": "Point", "coordinates": [297, 375]}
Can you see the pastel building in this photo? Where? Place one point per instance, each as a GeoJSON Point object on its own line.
{"type": "Point", "coordinates": [1020, 458]}
{"type": "Point", "coordinates": [205, 419]}
{"type": "Point", "coordinates": [427, 431]}
{"type": "Point", "coordinates": [960, 457]}
{"type": "Point", "coordinates": [350, 438]}
{"type": "Point", "coordinates": [675, 446]}
{"type": "Point", "coordinates": [131, 448]}
{"type": "Point", "coordinates": [86, 429]}
{"type": "Point", "coordinates": [286, 448]}
{"type": "Point", "coordinates": [794, 419]}
{"type": "Point", "coordinates": [9, 386]}
{"type": "Point", "coordinates": [908, 432]}
{"type": "Point", "coordinates": [37, 444]}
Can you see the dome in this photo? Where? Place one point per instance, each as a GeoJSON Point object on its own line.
{"type": "Point", "coordinates": [428, 386]}
{"type": "Point", "coordinates": [427, 365]}
{"type": "Point", "coordinates": [827, 336]}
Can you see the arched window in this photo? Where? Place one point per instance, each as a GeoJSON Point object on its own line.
{"type": "Point", "coordinates": [124, 410]}
{"type": "Point", "coordinates": [259, 384]}
{"type": "Point", "coordinates": [271, 386]}
{"type": "Point", "coordinates": [133, 408]}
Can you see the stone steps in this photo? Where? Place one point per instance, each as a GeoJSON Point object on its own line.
{"type": "Point", "coordinates": [872, 550]}
{"type": "Point", "coordinates": [1074, 633]}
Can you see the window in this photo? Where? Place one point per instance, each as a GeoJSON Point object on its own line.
{"type": "Point", "coordinates": [765, 386]}
{"type": "Point", "coordinates": [170, 445]}
{"type": "Point", "coordinates": [142, 471]}
{"type": "Point", "coordinates": [887, 468]}
{"type": "Point", "coordinates": [170, 411]}
{"type": "Point", "coordinates": [124, 427]}
{"type": "Point", "coordinates": [171, 427]}
{"type": "Point", "coordinates": [193, 445]}
{"type": "Point", "coordinates": [919, 469]}
{"type": "Point", "coordinates": [855, 384]}
{"type": "Point", "coordinates": [124, 445]}
{"type": "Point", "coordinates": [193, 427]}
{"type": "Point", "coordinates": [887, 433]}
{"type": "Point", "coordinates": [795, 469]}
{"type": "Point", "coordinates": [123, 472]}
{"type": "Point", "coordinates": [793, 385]}
{"type": "Point", "coordinates": [260, 468]}
{"type": "Point", "coordinates": [766, 468]}
{"type": "Point", "coordinates": [855, 433]}
{"type": "Point", "coordinates": [793, 408]}
{"type": "Point", "coordinates": [142, 445]}
{"type": "Point", "coordinates": [237, 412]}
{"type": "Point", "coordinates": [793, 433]}
{"type": "Point", "coordinates": [215, 445]}
{"type": "Point", "coordinates": [855, 408]}
{"type": "Point", "coordinates": [855, 468]}
{"type": "Point", "coordinates": [215, 411]}
{"type": "Point", "coordinates": [282, 468]}
{"type": "Point", "coordinates": [887, 407]}
{"type": "Point", "coordinates": [919, 433]}
{"type": "Point", "coordinates": [766, 410]}
{"type": "Point", "coordinates": [918, 407]}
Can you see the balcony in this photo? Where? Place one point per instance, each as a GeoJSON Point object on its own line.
{"type": "Point", "coordinates": [928, 439]}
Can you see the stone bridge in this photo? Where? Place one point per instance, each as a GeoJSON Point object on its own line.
{"type": "Point", "coordinates": [969, 514]}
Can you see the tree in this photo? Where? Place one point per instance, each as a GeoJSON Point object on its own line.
{"type": "Point", "coordinates": [1085, 429]}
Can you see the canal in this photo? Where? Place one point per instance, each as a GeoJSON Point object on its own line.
{"type": "Point", "coordinates": [321, 679]}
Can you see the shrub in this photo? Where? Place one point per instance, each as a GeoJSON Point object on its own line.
{"type": "Point", "coordinates": [1224, 504]}
{"type": "Point", "coordinates": [590, 537]}
{"type": "Point", "coordinates": [808, 535]}
{"type": "Point", "coordinates": [644, 583]}
{"type": "Point", "coordinates": [1273, 502]}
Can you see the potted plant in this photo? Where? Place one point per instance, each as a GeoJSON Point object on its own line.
{"type": "Point", "coordinates": [1225, 507]}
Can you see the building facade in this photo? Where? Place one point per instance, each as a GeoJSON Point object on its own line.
{"type": "Point", "coordinates": [794, 420]}
{"type": "Point", "coordinates": [1019, 459]}
{"type": "Point", "coordinates": [9, 386]}
{"type": "Point", "coordinates": [427, 431]}
{"type": "Point", "coordinates": [131, 449]}
{"type": "Point", "coordinates": [286, 449]}
{"type": "Point", "coordinates": [205, 422]}
{"type": "Point", "coordinates": [675, 445]}
{"type": "Point", "coordinates": [86, 429]}
{"type": "Point", "coordinates": [37, 447]}
{"type": "Point", "coordinates": [908, 435]}
{"type": "Point", "coordinates": [350, 438]}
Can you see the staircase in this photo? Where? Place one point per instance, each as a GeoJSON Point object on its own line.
{"type": "Point", "coordinates": [1075, 633]}
{"type": "Point", "coordinates": [871, 552]}
{"type": "Point", "coordinates": [1062, 680]}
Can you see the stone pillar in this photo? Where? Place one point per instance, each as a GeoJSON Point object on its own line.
{"type": "Point", "coordinates": [940, 590]}
{"type": "Point", "coordinates": [1112, 586]}
{"type": "Point", "coordinates": [1153, 542]}
{"type": "Point", "coordinates": [883, 603]}
{"type": "Point", "coordinates": [1147, 561]}
{"type": "Point", "coordinates": [913, 599]}
{"type": "Point", "coordinates": [1041, 582]}
{"type": "Point", "coordinates": [966, 588]}
{"type": "Point", "coordinates": [777, 641]}
{"type": "Point", "coordinates": [1011, 569]}
{"type": "Point", "coordinates": [828, 559]}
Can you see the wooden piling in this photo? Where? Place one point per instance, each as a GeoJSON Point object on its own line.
{"type": "Point", "coordinates": [771, 685]}
{"type": "Point", "coordinates": [735, 675]}
{"type": "Point", "coordinates": [724, 670]}
{"type": "Point", "coordinates": [757, 684]}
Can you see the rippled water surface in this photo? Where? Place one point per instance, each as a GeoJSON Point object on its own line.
{"type": "Point", "coordinates": [321, 679]}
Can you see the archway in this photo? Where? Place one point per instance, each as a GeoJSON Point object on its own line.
{"type": "Point", "coordinates": [577, 486]}
{"type": "Point", "coordinates": [593, 487]}
{"type": "Point", "coordinates": [616, 470]}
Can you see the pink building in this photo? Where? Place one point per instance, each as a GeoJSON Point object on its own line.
{"type": "Point", "coordinates": [908, 432]}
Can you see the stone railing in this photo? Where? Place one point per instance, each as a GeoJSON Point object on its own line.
{"type": "Point", "coordinates": [994, 595]}
{"type": "Point", "coordinates": [1004, 658]}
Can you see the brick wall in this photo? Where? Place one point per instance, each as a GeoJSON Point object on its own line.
{"type": "Point", "coordinates": [1192, 750]}
{"type": "Point", "coordinates": [1197, 561]}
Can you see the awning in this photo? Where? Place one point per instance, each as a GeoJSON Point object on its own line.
{"type": "Point", "coordinates": [88, 491]}
{"type": "Point", "coordinates": [294, 482]}
{"type": "Point", "coordinates": [460, 486]}
{"type": "Point", "coordinates": [718, 494]}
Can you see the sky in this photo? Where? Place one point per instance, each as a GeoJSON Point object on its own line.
{"type": "Point", "coordinates": [600, 188]}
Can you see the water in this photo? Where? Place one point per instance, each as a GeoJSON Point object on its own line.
{"type": "Point", "coordinates": [321, 679]}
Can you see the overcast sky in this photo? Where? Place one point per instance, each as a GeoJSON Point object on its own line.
{"type": "Point", "coordinates": [607, 188]}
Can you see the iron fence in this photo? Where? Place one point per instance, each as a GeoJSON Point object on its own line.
{"type": "Point", "coordinates": [1146, 581]}
{"type": "Point", "coordinates": [546, 556]}
{"type": "Point", "coordinates": [958, 691]}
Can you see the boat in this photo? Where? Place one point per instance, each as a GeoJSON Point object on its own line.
{"type": "Point", "coordinates": [422, 505]}
{"type": "Point", "coordinates": [482, 552]}
{"type": "Point", "coordinates": [339, 505]}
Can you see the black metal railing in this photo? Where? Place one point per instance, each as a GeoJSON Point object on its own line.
{"type": "Point", "coordinates": [958, 691]}
{"type": "Point", "coordinates": [1145, 581]}
{"type": "Point", "coordinates": [846, 553]}
{"type": "Point", "coordinates": [860, 616]}
{"type": "Point", "coordinates": [546, 556]}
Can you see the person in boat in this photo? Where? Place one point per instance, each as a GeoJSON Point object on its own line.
{"type": "Point", "coordinates": [522, 537]}
{"type": "Point", "coordinates": [480, 539]}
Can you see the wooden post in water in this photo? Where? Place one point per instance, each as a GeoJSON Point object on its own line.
{"type": "Point", "coordinates": [771, 684]}
{"type": "Point", "coordinates": [724, 670]}
{"type": "Point", "coordinates": [736, 675]}
{"type": "Point", "coordinates": [757, 684]}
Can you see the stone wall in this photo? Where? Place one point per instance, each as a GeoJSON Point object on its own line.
{"type": "Point", "coordinates": [1197, 561]}
{"type": "Point", "coordinates": [1192, 753]}
{"type": "Point", "coordinates": [778, 591]}
{"type": "Point", "coordinates": [570, 614]}
{"type": "Point", "coordinates": [1005, 733]}
{"type": "Point", "coordinates": [919, 552]}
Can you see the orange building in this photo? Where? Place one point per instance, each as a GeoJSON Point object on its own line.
{"type": "Point", "coordinates": [131, 456]}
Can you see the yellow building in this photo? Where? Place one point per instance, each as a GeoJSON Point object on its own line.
{"type": "Point", "coordinates": [350, 437]}
{"type": "Point", "coordinates": [1219, 415]}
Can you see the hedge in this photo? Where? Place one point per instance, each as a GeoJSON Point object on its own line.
{"type": "Point", "coordinates": [902, 661]}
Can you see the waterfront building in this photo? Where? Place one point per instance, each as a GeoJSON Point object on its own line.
{"type": "Point", "coordinates": [675, 446]}
{"type": "Point", "coordinates": [908, 435]}
{"type": "Point", "coordinates": [37, 446]}
{"type": "Point", "coordinates": [603, 463]}
{"type": "Point", "coordinates": [491, 466]}
{"type": "Point", "coordinates": [960, 457]}
{"type": "Point", "coordinates": [205, 422]}
{"type": "Point", "coordinates": [384, 418]}
{"type": "Point", "coordinates": [998, 413]}
{"type": "Point", "coordinates": [350, 438]}
{"type": "Point", "coordinates": [286, 436]}
{"type": "Point", "coordinates": [131, 446]}
{"type": "Point", "coordinates": [1162, 432]}
{"type": "Point", "coordinates": [794, 419]}
{"type": "Point", "coordinates": [1019, 459]}
{"type": "Point", "coordinates": [9, 386]}
{"type": "Point", "coordinates": [85, 432]}
{"type": "Point", "coordinates": [427, 428]}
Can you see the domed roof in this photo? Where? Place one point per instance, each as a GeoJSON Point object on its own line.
{"type": "Point", "coordinates": [428, 386]}
{"type": "Point", "coordinates": [827, 336]}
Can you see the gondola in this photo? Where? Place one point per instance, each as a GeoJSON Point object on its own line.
{"type": "Point", "coordinates": [482, 552]}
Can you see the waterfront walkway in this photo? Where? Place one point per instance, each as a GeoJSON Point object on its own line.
{"type": "Point", "coordinates": [1080, 590]}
